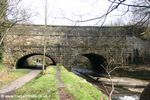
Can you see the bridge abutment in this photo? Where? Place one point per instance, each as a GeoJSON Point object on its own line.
{"type": "Point", "coordinates": [65, 43]}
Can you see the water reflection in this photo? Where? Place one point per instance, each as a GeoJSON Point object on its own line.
{"type": "Point", "coordinates": [133, 97]}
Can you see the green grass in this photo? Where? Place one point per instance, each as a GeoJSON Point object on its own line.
{"type": "Point", "coordinates": [44, 87]}
{"type": "Point", "coordinates": [41, 88]}
{"type": "Point", "coordinates": [7, 77]}
{"type": "Point", "coordinates": [2, 68]}
{"type": "Point", "coordinates": [80, 88]}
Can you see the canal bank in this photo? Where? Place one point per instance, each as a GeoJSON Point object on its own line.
{"type": "Point", "coordinates": [127, 87]}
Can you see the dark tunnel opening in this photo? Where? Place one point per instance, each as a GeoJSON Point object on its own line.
{"type": "Point", "coordinates": [22, 63]}
{"type": "Point", "coordinates": [98, 62]}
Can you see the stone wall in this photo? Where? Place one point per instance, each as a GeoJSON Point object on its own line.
{"type": "Point", "coordinates": [65, 43]}
{"type": "Point", "coordinates": [139, 49]}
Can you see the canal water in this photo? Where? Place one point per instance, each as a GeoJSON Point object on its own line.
{"type": "Point", "coordinates": [123, 95]}
{"type": "Point", "coordinates": [126, 97]}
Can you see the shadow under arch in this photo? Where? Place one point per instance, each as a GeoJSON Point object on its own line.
{"type": "Point", "coordinates": [23, 63]}
{"type": "Point", "coordinates": [98, 62]}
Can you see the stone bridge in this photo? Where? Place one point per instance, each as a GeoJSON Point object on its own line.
{"type": "Point", "coordinates": [67, 44]}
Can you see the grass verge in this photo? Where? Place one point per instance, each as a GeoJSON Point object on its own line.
{"type": "Point", "coordinates": [40, 88]}
{"type": "Point", "coordinates": [7, 77]}
{"type": "Point", "coordinates": [80, 88]}
{"type": "Point", "coordinates": [2, 68]}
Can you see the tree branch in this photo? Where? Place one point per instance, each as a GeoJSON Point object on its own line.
{"type": "Point", "coordinates": [130, 5]}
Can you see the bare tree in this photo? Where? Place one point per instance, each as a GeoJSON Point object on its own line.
{"type": "Point", "coordinates": [10, 14]}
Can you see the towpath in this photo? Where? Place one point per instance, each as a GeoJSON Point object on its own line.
{"type": "Point", "coordinates": [63, 93]}
{"type": "Point", "coordinates": [19, 82]}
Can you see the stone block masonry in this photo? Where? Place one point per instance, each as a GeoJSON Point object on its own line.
{"type": "Point", "coordinates": [66, 43]}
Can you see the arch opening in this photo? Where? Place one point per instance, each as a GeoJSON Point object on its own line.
{"type": "Point", "coordinates": [90, 64]}
{"type": "Point", "coordinates": [98, 62]}
{"type": "Point", "coordinates": [35, 62]}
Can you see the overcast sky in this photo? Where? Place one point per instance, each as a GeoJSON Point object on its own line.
{"type": "Point", "coordinates": [59, 10]}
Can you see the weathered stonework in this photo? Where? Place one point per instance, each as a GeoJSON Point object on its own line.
{"type": "Point", "coordinates": [66, 43]}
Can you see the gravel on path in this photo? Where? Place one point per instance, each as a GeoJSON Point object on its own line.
{"type": "Point", "coordinates": [19, 82]}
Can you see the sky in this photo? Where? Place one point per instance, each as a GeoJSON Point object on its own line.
{"type": "Point", "coordinates": [68, 12]}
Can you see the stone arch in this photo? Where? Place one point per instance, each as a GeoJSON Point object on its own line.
{"type": "Point", "coordinates": [22, 62]}
{"type": "Point", "coordinates": [91, 61]}
{"type": "Point", "coordinates": [98, 62]}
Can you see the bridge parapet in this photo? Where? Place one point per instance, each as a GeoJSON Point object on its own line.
{"type": "Point", "coordinates": [65, 42]}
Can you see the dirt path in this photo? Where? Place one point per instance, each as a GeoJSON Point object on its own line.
{"type": "Point", "coordinates": [19, 82]}
{"type": "Point", "coordinates": [63, 93]}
